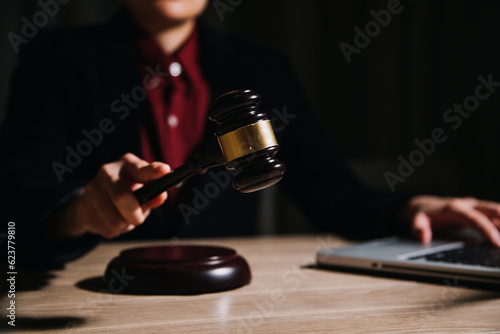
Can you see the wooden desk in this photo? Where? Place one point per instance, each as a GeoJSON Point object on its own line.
{"type": "Point", "coordinates": [282, 298]}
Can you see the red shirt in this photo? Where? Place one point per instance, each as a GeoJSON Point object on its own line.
{"type": "Point", "coordinates": [179, 99]}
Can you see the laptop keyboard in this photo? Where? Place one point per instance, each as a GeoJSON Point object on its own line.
{"type": "Point", "coordinates": [483, 255]}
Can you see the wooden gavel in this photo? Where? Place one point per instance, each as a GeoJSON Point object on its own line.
{"type": "Point", "coordinates": [247, 146]}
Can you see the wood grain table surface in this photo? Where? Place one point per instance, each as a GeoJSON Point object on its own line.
{"type": "Point", "coordinates": [285, 295]}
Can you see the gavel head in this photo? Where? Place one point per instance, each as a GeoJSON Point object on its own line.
{"type": "Point", "coordinates": [247, 140]}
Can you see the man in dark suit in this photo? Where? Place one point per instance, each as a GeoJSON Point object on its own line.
{"type": "Point", "coordinates": [93, 110]}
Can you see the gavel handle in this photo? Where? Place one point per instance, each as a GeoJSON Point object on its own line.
{"type": "Point", "coordinates": [198, 165]}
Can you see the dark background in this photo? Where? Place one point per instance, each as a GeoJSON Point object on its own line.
{"type": "Point", "coordinates": [394, 91]}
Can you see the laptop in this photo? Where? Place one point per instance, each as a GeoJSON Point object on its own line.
{"type": "Point", "coordinates": [468, 261]}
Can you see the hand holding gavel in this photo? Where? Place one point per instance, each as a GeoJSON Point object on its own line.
{"type": "Point", "coordinates": [247, 145]}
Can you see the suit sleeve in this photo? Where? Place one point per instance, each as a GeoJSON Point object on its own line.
{"type": "Point", "coordinates": [33, 155]}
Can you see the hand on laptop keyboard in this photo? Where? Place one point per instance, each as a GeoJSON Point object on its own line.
{"type": "Point", "coordinates": [431, 213]}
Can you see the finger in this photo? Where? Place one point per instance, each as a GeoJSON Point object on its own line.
{"type": "Point", "coordinates": [115, 198]}
{"type": "Point", "coordinates": [139, 171]}
{"type": "Point", "coordinates": [491, 209]}
{"type": "Point", "coordinates": [421, 228]}
{"type": "Point", "coordinates": [133, 159]}
{"type": "Point", "coordinates": [496, 222]}
{"type": "Point", "coordinates": [92, 220]}
{"type": "Point", "coordinates": [155, 202]}
{"type": "Point", "coordinates": [125, 203]}
{"type": "Point", "coordinates": [480, 221]}
{"type": "Point", "coordinates": [109, 222]}
{"type": "Point", "coordinates": [129, 228]}
{"type": "Point", "coordinates": [133, 169]}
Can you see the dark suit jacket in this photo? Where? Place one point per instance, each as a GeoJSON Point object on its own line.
{"type": "Point", "coordinates": [66, 85]}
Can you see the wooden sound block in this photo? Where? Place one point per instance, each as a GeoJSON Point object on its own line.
{"type": "Point", "coordinates": [177, 269]}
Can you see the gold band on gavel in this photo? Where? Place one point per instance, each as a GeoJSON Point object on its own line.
{"type": "Point", "coordinates": [246, 140]}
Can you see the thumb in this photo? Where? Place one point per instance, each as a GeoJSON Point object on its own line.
{"type": "Point", "coordinates": [137, 170]}
{"type": "Point", "coordinates": [153, 171]}
{"type": "Point", "coordinates": [421, 227]}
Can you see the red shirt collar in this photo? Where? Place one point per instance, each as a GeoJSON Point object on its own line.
{"type": "Point", "coordinates": [187, 55]}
